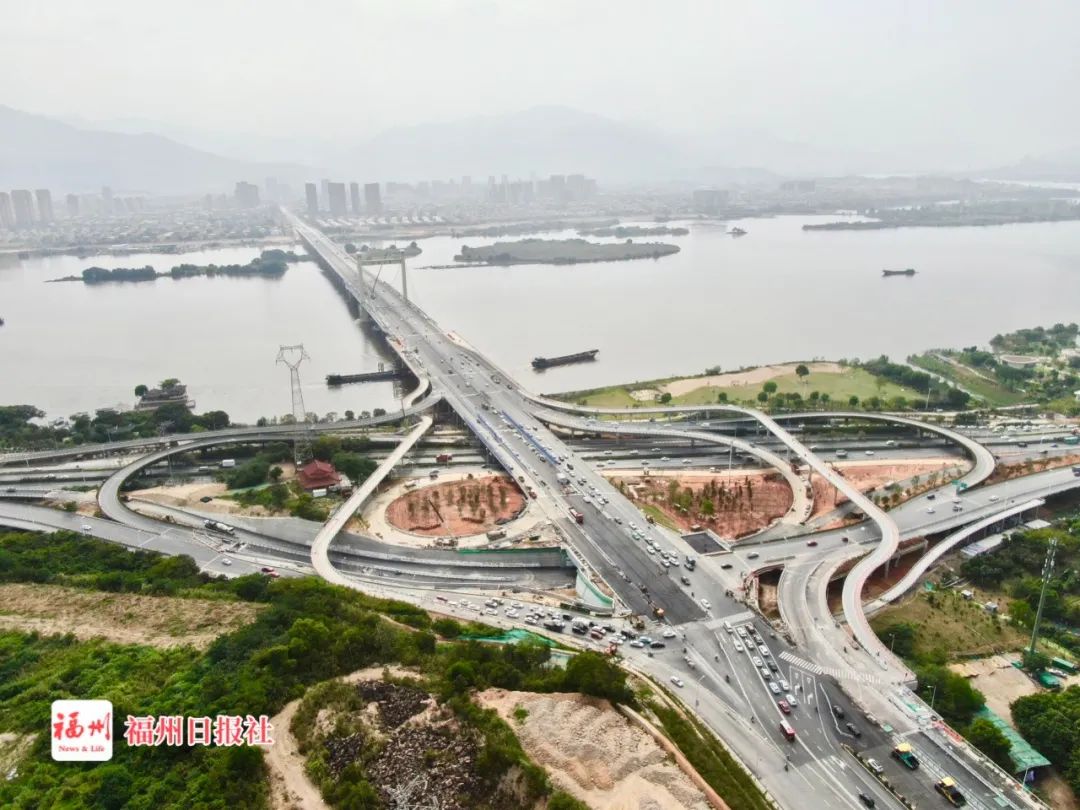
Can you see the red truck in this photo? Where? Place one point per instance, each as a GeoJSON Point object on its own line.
{"type": "Point", "coordinates": [576, 515]}
{"type": "Point", "coordinates": [444, 457]}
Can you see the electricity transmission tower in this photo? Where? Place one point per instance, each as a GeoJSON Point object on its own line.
{"type": "Point", "coordinates": [1047, 572]}
{"type": "Point", "coordinates": [293, 356]}
{"type": "Point", "coordinates": [402, 797]}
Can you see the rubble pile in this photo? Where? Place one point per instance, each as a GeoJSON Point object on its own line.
{"type": "Point", "coordinates": [343, 751]}
{"type": "Point", "coordinates": [396, 703]}
{"type": "Point", "coordinates": [446, 758]}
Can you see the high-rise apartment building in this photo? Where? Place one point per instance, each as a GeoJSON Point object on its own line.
{"type": "Point", "coordinates": [372, 198]}
{"type": "Point", "coordinates": [7, 213]}
{"type": "Point", "coordinates": [354, 197]}
{"type": "Point", "coordinates": [72, 202]}
{"type": "Point", "coordinates": [312, 195]}
{"type": "Point", "coordinates": [336, 199]}
{"type": "Point", "coordinates": [247, 195]}
{"type": "Point", "coordinates": [44, 205]}
{"type": "Point", "coordinates": [23, 201]}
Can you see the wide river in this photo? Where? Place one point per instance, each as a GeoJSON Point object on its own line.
{"type": "Point", "coordinates": [778, 293]}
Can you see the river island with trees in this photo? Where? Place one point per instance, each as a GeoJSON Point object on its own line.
{"type": "Point", "coordinates": [269, 264]}
{"type": "Point", "coordinates": [562, 251]}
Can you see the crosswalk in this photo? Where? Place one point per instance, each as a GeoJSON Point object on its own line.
{"type": "Point", "coordinates": [734, 619]}
{"type": "Point", "coordinates": [835, 672]}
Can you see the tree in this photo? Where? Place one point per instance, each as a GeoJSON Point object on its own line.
{"type": "Point", "coordinates": [989, 739]}
{"type": "Point", "coordinates": [853, 401]}
{"type": "Point", "coordinates": [762, 397]}
{"type": "Point", "coordinates": [140, 390]}
{"type": "Point", "coordinates": [378, 412]}
{"type": "Point", "coordinates": [721, 397]}
{"type": "Point", "coordinates": [665, 398]}
{"type": "Point", "coordinates": [801, 371]}
{"type": "Point", "coordinates": [900, 637]}
{"type": "Point", "coordinates": [275, 473]}
{"type": "Point", "coordinates": [1036, 661]}
{"type": "Point", "coordinates": [593, 674]}
{"type": "Point", "coordinates": [349, 416]}
{"type": "Point", "coordinates": [769, 387]}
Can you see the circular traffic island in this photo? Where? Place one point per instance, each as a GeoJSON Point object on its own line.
{"type": "Point", "coordinates": [457, 508]}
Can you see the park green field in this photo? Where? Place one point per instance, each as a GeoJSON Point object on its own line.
{"type": "Point", "coordinates": [839, 386]}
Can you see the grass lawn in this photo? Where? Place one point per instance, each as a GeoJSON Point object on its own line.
{"type": "Point", "coordinates": [839, 387]}
{"type": "Point", "coordinates": [948, 622]}
{"type": "Point", "coordinates": [660, 517]}
{"type": "Point", "coordinates": [993, 393]}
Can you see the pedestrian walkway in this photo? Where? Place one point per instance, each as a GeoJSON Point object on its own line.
{"type": "Point", "coordinates": [835, 672]}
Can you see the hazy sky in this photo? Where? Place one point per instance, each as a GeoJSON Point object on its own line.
{"type": "Point", "coordinates": [999, 78]}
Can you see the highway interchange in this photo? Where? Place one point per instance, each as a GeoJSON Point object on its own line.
{"type": "Point", "coordinates": [822, 668]}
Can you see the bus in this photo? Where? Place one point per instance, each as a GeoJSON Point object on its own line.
{"type": "Point", "coordinates": [1061, 663]}
{"type": "Point", "coordinates": [577, 516]}
{"type": "Point", "coordinates": [787, 731]}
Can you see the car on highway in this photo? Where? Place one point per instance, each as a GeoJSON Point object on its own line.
{"type": "Point", "coordinates": [738, 645]}
{"type": "Point", "coordinates": [725, 566]}
{"type": "Point", "coordinates": [931, 496]}
{"type": "Point", "coordinates": [993, 498]}
{"type": "Point", "coordinates": [791, 699]}
{"type": "Point", "coordinates": [491, 612]}
{"type": "Point", "coordinates": [757, 661]}
{"type": "Point", "coordinates": [705, 603]}
{"type": "Point", "coordinates": [753, 555]}
{"type": "Point", "coordinates": [226, 561]}
{"type": "Point", "coordinates": [853, 730]}
{"type": "Point", "coordinates": [772, 665]}
{"type": "Point", "coordinates": [87, 528]}
{"type": "Point", "coordinates": [784, 706]}
{"type": "Point", "coordinates": [784, 685]}
{"type": "Point", "coordinates": [874, 766]}
{"type": "Point", "coordinates": [669, 633]}
{"type": "Point", "coordinates": [774, 688]}
{"type": "Point", "coordinates": [764, 650]}
{"type": "Point", "coordinates": [839, 712]}
{"type": "Point", "coordinates": [867, 800]}
{"type": "Point", "coordinates": [741, 631]}
{"type": "Point", "coordinates": [869, 452]}
{"type": "Point", "coordinates": [675, 679]}
{"type": "Point", "coordinates": [636, 643]}
{"type": "Point", "coordinates": [811, 543]}
{"type": "Point", "coordinates": [657, 645]}
{"type": "Point", "coordinates": [929, 510]}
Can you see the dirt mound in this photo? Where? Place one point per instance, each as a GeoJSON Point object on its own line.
{"type": "Point", "coordinates": [457, 508]}
{"type": "Point", "coordinates": [594, 753]}
{"type": "Point", "coordinates": [160, 621]}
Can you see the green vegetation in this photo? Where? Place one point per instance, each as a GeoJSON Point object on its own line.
{"type": "Point", "coordinates": [815, 389]}
{"type": "Point", "coordinates": [989, 739]}
{"type": "Point", "coordinates": [935, 627]}
{"type": "Point", "coordinates": [308, 633]}
{"type": "Point", "coordinates": [988, 390]}
{"type": "Point", "coordinates": [18, 431]}
{"type": "Point", "coordinates": [1053, 719]}
{"type": "Point", "coordinates": [710, 759]}
{"type": "Point", "coordinates": [1015, 568]}
{"type": "Point", "coordinates": [1037, 341]}
{"type": "Point", "coordinates": [941, 395]}
{"type": "Point", "coordinates": [270, 263]}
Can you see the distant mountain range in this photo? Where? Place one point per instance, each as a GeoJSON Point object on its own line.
{"type": "Point", "coordinates": [134, 154]}
{"type": "Point", "coordinates": [41, 152]}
